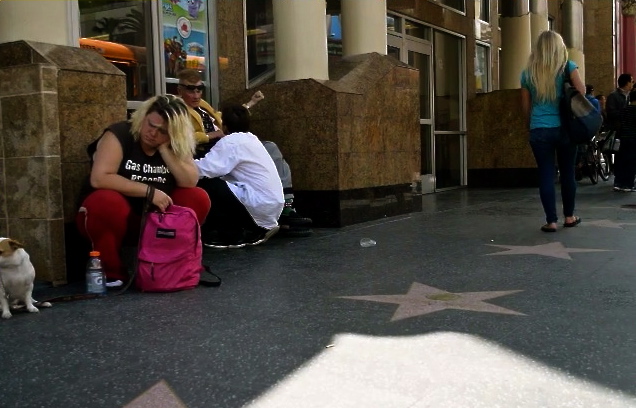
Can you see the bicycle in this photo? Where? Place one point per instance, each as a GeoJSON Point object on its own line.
{"type": "Point", "coordinates": [605, 162]}
{"type": "Point", "coordinates": [592, 162]}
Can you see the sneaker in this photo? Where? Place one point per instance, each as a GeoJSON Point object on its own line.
{"type": "Point", "coordinates": [223, 241]}
{"type": "Point", "coordinates": [294, 232]}
{"type": "Point", "coordinates": [625, 189]}
{"type": "Point", "coordinates": [114, 283]}
{"type": "Point", "coordinates": [258, 237]}
{"type": "Point", "coordinates": [292, 218]}
{"type": "Point", "coordinates": [224, 244]}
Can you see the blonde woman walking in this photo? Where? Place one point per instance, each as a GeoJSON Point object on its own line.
{"type": "Point", "coordinates": [541, 92]}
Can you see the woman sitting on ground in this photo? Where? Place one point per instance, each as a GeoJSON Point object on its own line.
{"type": "Point", "coordinates": [154, 149]}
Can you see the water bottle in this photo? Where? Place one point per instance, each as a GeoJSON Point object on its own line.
{"type": "Point", "coordinates": [367, 242]}
{"type": "Point", "coordinates": [95, 279]}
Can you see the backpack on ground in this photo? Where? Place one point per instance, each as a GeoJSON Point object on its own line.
{"type": "Point", "coordinates": [170, 251]}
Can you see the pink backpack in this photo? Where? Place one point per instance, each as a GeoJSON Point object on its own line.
{"type": "Point", "coordinates": [170, 252]}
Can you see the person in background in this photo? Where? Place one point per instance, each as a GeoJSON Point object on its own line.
{"type": "Point", "coordinates": [154, 148]}
{"type": "Point", "coordinates": [589, 95]}
{"type": "Point", "coordinates": [618, 100]}
{"type": "Point", "coordinates": [625, 169]}
{"type": "Point", "coordinates": [208, 122]}
{"type": "Point", "coordinates": [242, 182]}
{"type": "Point", "coordinates": [541, 92]}
{"type": "Point", "coordinates": [602, 99]}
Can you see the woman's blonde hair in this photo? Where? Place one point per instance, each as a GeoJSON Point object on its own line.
{"type": "Point", "coordinates": [175, 112]}
{"type": "Point", "coordinates": [546, 63]}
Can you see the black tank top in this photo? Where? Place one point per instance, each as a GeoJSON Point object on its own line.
{"type": "Point", "coordinates": [135, 165]}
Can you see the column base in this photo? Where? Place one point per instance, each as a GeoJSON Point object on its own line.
{"type": "Point", "coordinates": [503, 178]}
{"type": "Point", "coordinates": [333, 209]}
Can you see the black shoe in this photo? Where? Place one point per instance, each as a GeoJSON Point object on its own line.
{"type": "Point", "coordinates": [223, 241]}
{"type": "Point", "coordinates": [293, 219]}
{"type": "Point", "coordinates": [295, 232]}
{"type": "Point", "coordinates": [260, 236]}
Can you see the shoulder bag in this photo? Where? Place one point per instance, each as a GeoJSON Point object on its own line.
{"type": "Point", "coordinates": [579, 117]}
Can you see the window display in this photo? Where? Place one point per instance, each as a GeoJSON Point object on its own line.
{"type": "Point", "coordinates": [120, 32]}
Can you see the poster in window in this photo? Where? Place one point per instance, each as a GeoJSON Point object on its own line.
{"type": "Point", "coordinates": [184, 35]}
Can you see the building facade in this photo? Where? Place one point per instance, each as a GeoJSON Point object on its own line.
{"type": "Point", "coordinates": [371, 101]}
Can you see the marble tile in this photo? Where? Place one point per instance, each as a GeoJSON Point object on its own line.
{"type": "Point", "coordinates": [89, 88]}
{"type": "Point", "coordinates": [27, 79]}
{"type": "Point", "coordinates": [33, 186]}
{"type": "Point", "coordinates": [44, 241]}
{"type": "Point", "coordinates": [84, 123]}
{"type": "Point", "coordinates": [316, 172]}
{"type": "Point", "coordinates": [74, 175]}
{"type": "Point", "coordinates": [74, 58]}
{"type": "Point", "coordinates": [3, 189]}
{"type": "Point", "coordinates": [19, 53]}
{"type": "Point", "coordinates": [30, 125]}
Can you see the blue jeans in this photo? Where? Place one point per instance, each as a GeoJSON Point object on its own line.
{"type": "Point", "coordinates": [545, 142]}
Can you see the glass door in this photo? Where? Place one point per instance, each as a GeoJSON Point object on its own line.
{"type": "Point", "coordinates": [450, 128]}
{"type": "Point", "coordinates": [419, 55]}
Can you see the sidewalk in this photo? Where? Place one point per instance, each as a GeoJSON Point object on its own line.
{"type": "Point", "coordinates": [466, 304]}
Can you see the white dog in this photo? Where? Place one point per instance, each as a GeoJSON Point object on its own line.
{"type": "Point", "coordinates": [16, 277]}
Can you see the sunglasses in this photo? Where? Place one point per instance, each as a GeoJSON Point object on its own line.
{"type": "Point", "coordinates": [193, 87]}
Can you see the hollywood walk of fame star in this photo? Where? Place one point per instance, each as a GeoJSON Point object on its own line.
{"type": "Point", "coordinates": [159, 395]}
{"type": "Point", "coordinates": [606, 224]}
{"type": "Point", "coordinates": [422, 299]}
{"type": "Point", "coordinates": [553, 249]}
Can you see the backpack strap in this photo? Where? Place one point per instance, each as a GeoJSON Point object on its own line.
{"type": "Point", "coordinates": [209, 278]}
{"type": "Point", "coordinates": [566, 71]}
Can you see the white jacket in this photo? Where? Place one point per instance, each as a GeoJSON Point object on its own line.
{"type": "Point", "coordinates": [243, 162]}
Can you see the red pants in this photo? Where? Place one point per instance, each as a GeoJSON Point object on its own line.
{"type": "Point", "coordinates": [109, 222]}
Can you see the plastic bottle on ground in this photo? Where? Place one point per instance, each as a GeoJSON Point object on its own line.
{"type": "Point", "coordinates": [367, 242]}
{"type": "Point", "coordinates": [95, 279]}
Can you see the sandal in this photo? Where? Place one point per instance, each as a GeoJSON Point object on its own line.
{"type": "Point", "coordinates": [577, 221]}
{"type": "Point", "coordinates": [548, 228]}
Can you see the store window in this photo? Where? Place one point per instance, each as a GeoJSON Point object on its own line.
{"type": "Point", "coordinates": [417, 30]}
{"type": "Point", "coordinates": [334, 35]}
{"type": "Point", "coordinates": [448, 82]}
{"type": "Point", "coordinates": [455, 4]}
{"type": "Point", "coordinates": [482, 68]}
{"type": "Point", "coordinates": [184, 39]}
{"type": "Point", "coordinates": [482, 10]}
{"type": "Point", "coordinates": [121, 32]}
{"type": "Point", "coordinates": [259, 22]}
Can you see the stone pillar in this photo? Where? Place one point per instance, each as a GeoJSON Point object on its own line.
{"type": "Point", "coordinates": [515, 42]}
{"type": "Point", "coordinates": [628, 37]}
{"type": "Point", "coordinates": [538, 18]}
{"type": "Point", "coordinates": [573, 32]}
{"type": "Point", "coordinates": [363, 27]}
{"type": "Point", "coordinates": [53, 22]}
{"type": "Point", "coordinates": [54, 100]}
{"type": "Point", "coordinates": [300, 31]}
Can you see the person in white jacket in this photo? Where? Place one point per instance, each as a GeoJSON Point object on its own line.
{"type": "Point", "coordinates": [243, 184]}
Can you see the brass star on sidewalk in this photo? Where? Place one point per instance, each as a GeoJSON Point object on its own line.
{"type": "Point", "coordinates": [553, 249]}
{"type": "Point", "coordinates": [159, 395]}
{"type": "Point", "coordinates": [422, 299]}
